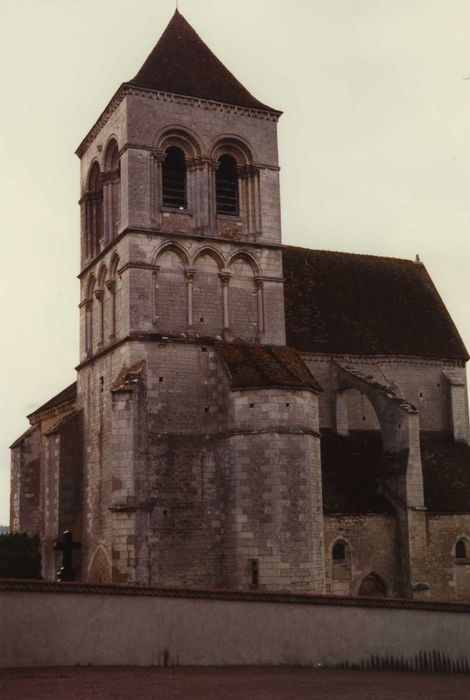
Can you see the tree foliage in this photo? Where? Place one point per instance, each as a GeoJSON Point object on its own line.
{"type": "Point", "coordinates": [20, 556]}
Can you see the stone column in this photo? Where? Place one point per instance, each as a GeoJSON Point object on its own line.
{"type": "Point", "coordinates": [155, 293]}
{"type": "Point", "coordinates": [249, 198]}
{"type": "Point", "coordinates": [111, 286]}
{"type": "Point", "coordinates": [107, 208]}
{"type": "Point", "coordinates": [156, 159]}
{"type": "Point", "coordinates": [189, 274]}
{"type": "Point", "coordinates": [260, 296]}
{"type": "Point", "coordinates": [211, 168]}
{"type": "Point", "coordinates": [88, 304]}
{"type": "Point", "coordinates": [225, 277]}
{"type": "Point", "coordinates": [99, 295]}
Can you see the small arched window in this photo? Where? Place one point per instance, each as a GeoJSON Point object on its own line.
{"type": "Point", "coordinates": [174, 179]}
{"type": "Point", "coordinates": [339, 551]}
{"type": "Point", "coordinates": [460, 550]}
{"type": "Point", "coordinates": [226, 186]}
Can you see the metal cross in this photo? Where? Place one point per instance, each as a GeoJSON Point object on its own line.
{"type": "Point", "coordinates": [66, 572]}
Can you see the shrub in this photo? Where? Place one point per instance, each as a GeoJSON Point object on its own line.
{"type": "Point", "coordinates": [20, 556]}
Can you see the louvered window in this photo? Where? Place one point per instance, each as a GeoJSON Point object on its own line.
{"type": "Point", "coordinates": [226, 186]}
{"type": "Point", "coordinates": [174, 179]}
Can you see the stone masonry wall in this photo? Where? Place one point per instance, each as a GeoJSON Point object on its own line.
{"type": "Point", "coordinates": [422, 383]}
{"type": "Point", "coordinates": [372, 547]}
{"type": "Point", "coordinates": [178, 469]}
{"type": "Point", "coordinates": [25, 513]}
{"type": "Point", "coordinates": [449, 576]}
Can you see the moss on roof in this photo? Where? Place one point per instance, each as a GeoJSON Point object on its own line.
{"type": "Point", "coordinates": [265, 366]}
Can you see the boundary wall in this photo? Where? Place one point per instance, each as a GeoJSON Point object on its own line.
{"type": "Point", "coordinates": [64, 624]}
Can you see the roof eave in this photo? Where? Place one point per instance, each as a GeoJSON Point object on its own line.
{"type": "Point", "coordinates": [122, 91]}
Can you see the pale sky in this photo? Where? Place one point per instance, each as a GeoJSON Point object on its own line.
{"type": "Point", "coordinates": [374, 146]}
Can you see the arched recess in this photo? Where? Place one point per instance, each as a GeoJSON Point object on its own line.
{"type": "Point", "coordinates": [354, 411]}
{"type": "Point", "coordinates": [94, 211]}
{"type": "Point", "coordinates": [461, 548]}
{"type": "Point", "coordinates": [373, 586]}
{"type": "Point", "coordinates": [207, 295]}
{"type": "Point", "coordinates": [174, 179]}
{"type": "Point", "coordinates": [236, 184]}
{"type": "Point", "coordinates": [176, 183]}
{"type": "Point", "coordinates": [90, 334]}
{"type": "Point", "coordinates": [112, 190]}
{"type": "Point", "coordinates": [170, 291]}
{"type": "Point", "coordinates": [243, 304]}
{"type": "Point", "coordinates": [101, 298]}
{"type": "Point", "coordinates": [100, 569]}
{"type": "Point", "coordinates": [181, 138]}
{"type": "Point", "coordinates": [113, 287]}
{"type": "Point", "coordinates": [340, 551]}
{"type": "Point", "coordinates": [461, 555]}
{"type": "Point", "coordinates": [340, 567]}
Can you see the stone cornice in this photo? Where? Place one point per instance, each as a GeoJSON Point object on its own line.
{"type": "Point", "coordinates": [168, 235]}
{"type": "Point", "coordinates": [192, 162]}
{"type": "Point", "coordinates": [127, 89]}
{"type": "Point", "coordinates": [157, 338]}
{"type": "Point", "coordinates": [253, 596]}
{"type": "Point", "coordinates": [377, 359]}
{"type": "Point", "coordinates": [138, 266]}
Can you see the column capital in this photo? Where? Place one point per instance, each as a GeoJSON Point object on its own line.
{"type": "Point", "coordinates": [111, 286]}
{"type": "Point", "coordinates": [225, 276]}
{"type": "Point", "coordinates": [248, 170]}
{"type": "Point", "coordinates": [259, 281]}
{"type": "Point", "coordinates": [158, 155]}
{"type": "Point", "coordinates": [189, 273]}
{"type": "Point", "coordinates": [99, 293]}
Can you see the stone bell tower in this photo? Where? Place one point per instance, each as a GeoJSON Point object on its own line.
{"type": "Point", "coordinates": [181, 255]}
{"type": "Point", "coordinates": [182, 169]}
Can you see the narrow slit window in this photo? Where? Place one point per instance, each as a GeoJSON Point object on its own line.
{"type": "Point", "coordinates": [226, 186]}
{"type": "Point", "coordinates": [174, 179]}
{"type": "Point", "coordinates": [254, 572]}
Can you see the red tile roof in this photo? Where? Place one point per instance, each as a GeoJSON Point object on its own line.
{"type": "Point", "coordinates": [343, 303]}
{"type": "Point", "coordinates": [181, 63]}
{"type": "Point", "coordinates": [265, 367]}
{"type": "Point", "coordinates": [67, 395]}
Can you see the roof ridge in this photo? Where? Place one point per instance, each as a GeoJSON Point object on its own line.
{"type": "Point", "coordinates": [356, 255]}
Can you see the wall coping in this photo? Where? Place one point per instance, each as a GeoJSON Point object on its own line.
{"type": "Point", "coordinates": [116, 589]}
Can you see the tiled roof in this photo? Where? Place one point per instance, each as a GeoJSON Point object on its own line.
{"type": "Point", "coordinates": [62, 422]}
{"type": "Point", "coordinates": [264, 366]}
{"type": "Point", "coordinates": [64, 396]}
{"type": "Point", "coordinates": [23, 436]}
{"type": "Point", "coordinates": [343, 303]}
{"type": "Point", "coordinates": [182, 64]}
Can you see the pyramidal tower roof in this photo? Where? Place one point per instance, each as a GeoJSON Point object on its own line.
{"type": "Point", "coordinates": [181, 63]}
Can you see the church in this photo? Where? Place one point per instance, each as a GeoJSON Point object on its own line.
{"type": "Point", "coordinates": [246, 415]}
